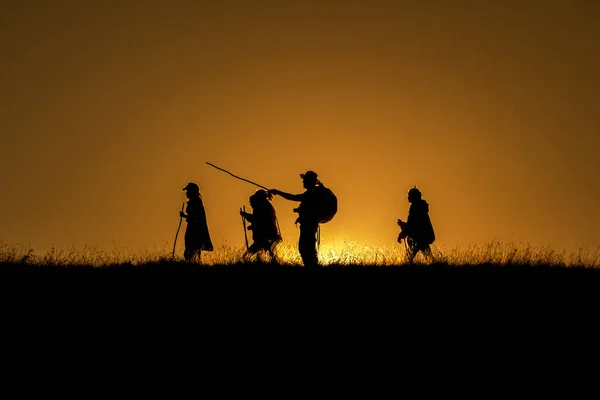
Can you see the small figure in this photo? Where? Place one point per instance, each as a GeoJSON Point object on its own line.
{"type": "Point", "coordinates": [263, 220]}
{"type": "Point", "coordinates": [197, 237]}
{"type": "Point", "coordinates": [417, 230]}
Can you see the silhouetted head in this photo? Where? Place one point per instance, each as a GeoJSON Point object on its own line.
{"type": "Point", "coordinates": [414, 194]}
{"type": "Point", "coordinates": [191, 189]}
{"type": "Point", "coordinates": [309, 179]}
{"type": "Point", "coordinates": [260, 196]}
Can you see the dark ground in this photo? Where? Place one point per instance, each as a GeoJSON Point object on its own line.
{"type": "Point", "coordinates": [243, 277]}
{"type": "Point", "coordinates": [444, 304]}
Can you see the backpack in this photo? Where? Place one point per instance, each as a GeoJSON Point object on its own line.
{"type": "Point", "coordinates": [327, 204]}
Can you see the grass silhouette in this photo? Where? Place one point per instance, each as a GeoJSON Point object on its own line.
{"type": "Point", "coordinates": [493, 256]}
{"type": "Point", "coordinates": [356, 280]}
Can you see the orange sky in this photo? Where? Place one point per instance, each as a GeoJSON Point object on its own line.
{"type": "Point", "coordinates": [492, 108]}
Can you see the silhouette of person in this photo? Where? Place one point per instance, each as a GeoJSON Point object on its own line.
{"type": "Point", "coordinates": [308, 217]}
{"type": "Point", "coordinates": [417, 230]}
{"type": "Point", "coordinates": [263, 220]}
{"type": "Point", "coordinates": [197, 237]}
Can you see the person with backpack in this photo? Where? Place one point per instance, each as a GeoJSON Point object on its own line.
{"type": "Point", "coordinates": [317, 205]}
{"type": "Point", "coordinates": [197, 237]}
{"type": "Point", "coordinates": [263, 220]}
{"type": "Point", "coordinates": [417, 230]}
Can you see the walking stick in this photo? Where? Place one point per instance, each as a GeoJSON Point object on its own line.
{"type": "Point", "coordinates": [180, 219]}
{"type": "Point", "coordinates": [244, 223]}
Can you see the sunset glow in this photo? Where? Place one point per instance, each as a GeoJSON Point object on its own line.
{"type": "Point", "coordinates": [107, 109]}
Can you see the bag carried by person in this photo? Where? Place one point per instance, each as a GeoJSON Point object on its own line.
{"type": "Point", "coordinates": [328, 205]}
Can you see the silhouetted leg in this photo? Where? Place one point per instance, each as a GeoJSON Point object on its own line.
{"type": "Point", "coordinates": [413, 253]}
{"type": "Point", "coordinates": [192, 245]}
{"type": "Point", "coordinates": [425, 249]}
{"type": "Point", "coordinates": [411, 250]}
{"type": "Point", "coordinates": [307, 245]}
{"type": "Point", "coordinates": [262, 256]}
{"type": "Point", "coordinates": [428, 254]}
{"type": "Point", "coordinates": [266, 254]}
{"type": "Point", "coordinates": [191, 255]}
{"type": "Point", "coordinates": [272, 253]}
{"type": "Point", "coordinates": [250, 252]}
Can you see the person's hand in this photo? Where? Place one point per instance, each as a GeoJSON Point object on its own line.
{"type": "Point", "coordinates": [274, 191]}
{"type": "Point", "coordinates": [243, 213]}
{"type": "Point", "coordinates": [181, 214]}
{"type": "Point", "coordinates": [400, 222]}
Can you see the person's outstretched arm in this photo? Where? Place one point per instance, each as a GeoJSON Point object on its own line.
{"type": "Point", "coordinates": [287, 196]}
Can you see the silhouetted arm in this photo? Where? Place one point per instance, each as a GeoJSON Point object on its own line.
{"type": "Point", "coordinates": [248, 216]}
{"type": "Point", "coordinates": [287, 196]}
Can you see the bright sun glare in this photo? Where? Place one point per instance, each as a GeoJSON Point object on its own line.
{"type": "Point", "coordinates": [346, 253]}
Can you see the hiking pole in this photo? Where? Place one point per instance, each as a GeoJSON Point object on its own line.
{"type": "Point", "coordinates": [235, 176]}
{"type": "Point", "coordinates": [180, 219]}
{"type": "Point", "coordinates": [244, 223]}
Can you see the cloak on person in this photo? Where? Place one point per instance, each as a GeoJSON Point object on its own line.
{"type": "Point", "coordinates": [197, 236]}
{"type": "Point", "coordinates": [418, 224]}
{"type": "Point", "coordinates": [264, 221]}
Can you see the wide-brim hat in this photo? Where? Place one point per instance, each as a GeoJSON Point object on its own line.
{"type": "Point", "coordinates": [309, 176]}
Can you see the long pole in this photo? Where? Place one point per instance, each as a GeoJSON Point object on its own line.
{"type": "Point", "coordinates": [235, 176]}
{"type": "Point", "coordinates": [244, 223]}
{"type": "Point", "coordinates": [180, 219]}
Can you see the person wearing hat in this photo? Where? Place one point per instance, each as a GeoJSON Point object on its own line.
{"type": "Point", "coordinates": [307, 217]}
{"type": "Point", "coordinates": [197, 237]}
{"type": "Point", "coordinates": [417, 230]}
{"type": "Point", "coordinates": [263, 220]}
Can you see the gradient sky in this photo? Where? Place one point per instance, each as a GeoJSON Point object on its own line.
{"type": "Point", "coordinates": [108, 108]}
